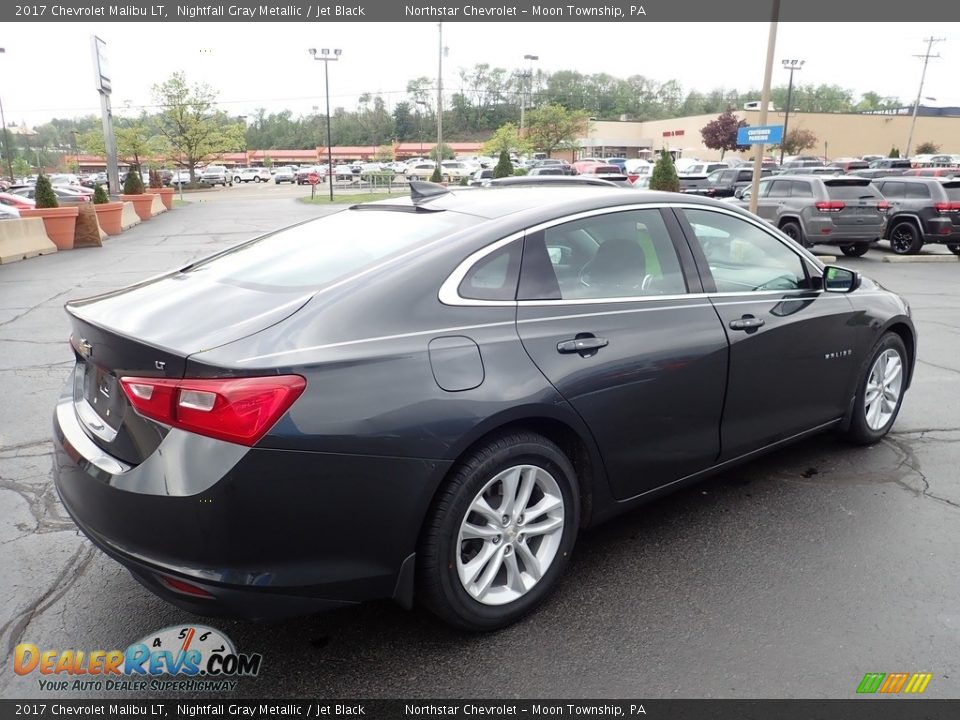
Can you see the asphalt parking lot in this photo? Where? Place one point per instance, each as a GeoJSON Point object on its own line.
{"type": "Point", "coordinates": [789, 577]}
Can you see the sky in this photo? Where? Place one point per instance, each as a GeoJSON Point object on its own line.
{"type": "Point", "coordinates": [267, 64]}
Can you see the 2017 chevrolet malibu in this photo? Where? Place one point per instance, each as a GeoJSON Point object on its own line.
{"type": "Point", "coordinates": [429, 397]}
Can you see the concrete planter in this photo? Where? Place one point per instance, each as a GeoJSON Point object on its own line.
{"type": "Point", "coordinates": [60, 224]}
{"type": "Point", "coordinates": [166, 194]}
{"type": "Point", "coordinates": [109, 215]}
{"type": "Point", "coordinates": [141, 204]}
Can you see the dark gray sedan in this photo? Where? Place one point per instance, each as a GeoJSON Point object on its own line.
{"type": "Point", "coordinates": [428, 398]}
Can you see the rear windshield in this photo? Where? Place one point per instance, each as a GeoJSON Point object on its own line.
{"type": "Point", "coordinates": [331, 248]}
{"type": "Point", "coordinates": [952, 190]}
{"type": "Point", "coordinates": [847, 190]}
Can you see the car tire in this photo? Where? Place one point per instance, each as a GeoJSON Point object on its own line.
{"type": "Point", "coordinates": [905, 238]}
{"type": "Point", "coordinates": [793, 231]}
{"type": "Point", "coordinates": [879, 379]}
{"type": "Point", "coordinates": [954, 248]}
{"type": "Point", "coordinates": [518, 459]}
{"type": "Point", "coordinates": [855, 250]}
{"type": "Point", "coordinates": [237, 179]}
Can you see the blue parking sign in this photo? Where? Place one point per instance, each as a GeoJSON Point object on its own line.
{"type": "Point", "coordinates": [760, 135]}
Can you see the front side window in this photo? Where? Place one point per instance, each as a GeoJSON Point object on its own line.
{"type": "Point", "coordinates": [615, 255]}
{"type": "Point", "coordinates": [744, 258]}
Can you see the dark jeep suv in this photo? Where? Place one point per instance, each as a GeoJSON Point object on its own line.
{"type": "Point", "coordinates": [922, 210]}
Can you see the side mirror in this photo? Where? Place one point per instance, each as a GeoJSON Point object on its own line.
{"type": "Point", "coordinates": [738, 193]}
{"type": "Point", "coordinates": [840, 280]}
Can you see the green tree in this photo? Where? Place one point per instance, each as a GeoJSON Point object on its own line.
{"type": "Point", "coordinates": [506, 138]}
{"type": "Point", "coordinates": [894, 152]}
{"type": "Point", "coordinates": [504, 167]}
{"type": "Point", "coordinates": [21, 168]}
{"type": "Point", "coordinates": [797, 140]}
{"type": "Point", "coordinates": [191, 124]}
{"type": "Point", "coordinates": [927, 148]}
{"type": "Point", "coordinates": [43, 194]}
{"type": "Point", "coordinates": [385, 153]}
{"type": "Point", "coordinates": [133, 183]}
{"type": "Point", "coordinates": [100, 195]}
{"type": "Point", "coordinates": [446, 152]}
{"type": "Point", "coordinates": [664, 175]}
{"type": "Point", "coordinates": [553, 127]}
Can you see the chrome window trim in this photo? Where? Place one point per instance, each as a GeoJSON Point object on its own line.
{"type": "Point", "coordinates": [449, 295]}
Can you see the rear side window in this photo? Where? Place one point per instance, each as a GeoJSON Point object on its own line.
{"type": "Point", "coordinates": [801, 189]}
{"type": "Point", "coordinates": [952, 190]}
{"type": "Point", "coordinates": [494, 277]}
{"type": "Point", "coordinates": [619, 254]}
{"type": "Point", "coordinates": [846, 191]}
{"type": "Point", "coordinates": [745, 175]}
{"type": "Point", "coordinates": [917, 191]}
{"type": "Point", "coordinates": [331, 248]}
{"type": "Point", "coordinates": [893, 189]}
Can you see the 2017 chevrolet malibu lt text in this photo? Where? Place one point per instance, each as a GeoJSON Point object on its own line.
{"type": "Point", "coordinates": [426, 398]}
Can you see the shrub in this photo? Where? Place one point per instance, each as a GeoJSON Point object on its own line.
{"type": "Point", "coordinates": [504, 167]}
{"type": "Point", "coordinates": [44, 196]}
{"type": "Point", "coordinates": [894, 152]}
{"type": "Point", "coordinates": [927, 148]}
{"type": "Point", "coordinates": [464, 182]}
{"type": "Point", "coordinates": [155, 180]}
{"type": "Point", "coordinates": [435, 176]}
{"type": "Point", "coordinates": [133, 183]}
{"type": "Point", "coordinates": [99, 195]}
{"type": "Point", "coordinates": [521, 171]}
{"type": "Point", "coordinates": [664, 175]}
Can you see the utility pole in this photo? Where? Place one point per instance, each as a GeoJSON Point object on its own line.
{"type": "Point", "coordinates": [440, 98]}
{"type": "Point", "coordinates": [923, 76]}
{"type": "Point", "coordinates": [764, 103]}
{"type": "Point", "coordinates": [792, 66]}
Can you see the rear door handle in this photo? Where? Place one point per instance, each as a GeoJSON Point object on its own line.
{"type": "Point", "coordinates": [582, 345]}
{"type": "Point", "coordinates": [747, 322]}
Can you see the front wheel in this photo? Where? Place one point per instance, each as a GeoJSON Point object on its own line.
{"type": "Point", "coordinates": [855, 250]}
{"type": "Point", "coordinates": [954, 248]}
{"type": "Point", "coordinates": [881, 391]}
{"type": "Point", "coordinates": [500, 533]}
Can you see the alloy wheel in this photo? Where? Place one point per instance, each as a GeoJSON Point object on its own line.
{"type": "Point", "coordinates": [884, 385]}
{"type": "Point", "coordinates": [510, 535]}
{"type": "Point", "coordinates": [901, 239]}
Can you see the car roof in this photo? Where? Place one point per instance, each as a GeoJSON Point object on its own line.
{"type": "Point", "coordinates": [497, 202]}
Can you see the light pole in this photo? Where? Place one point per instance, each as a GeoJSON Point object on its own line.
{"type": "Point", "coordinates": [440, 52]}
{"type": "Point", "coordinates": [6, 136]}
{"type": "Point", "coordinates": [792, 66]}
{"type": "Point", "coordinates": [420, 118]}
{"type": "Point", "coordinates": [523, 88]}
{"type": "Point", "coordinates": [325, 57]}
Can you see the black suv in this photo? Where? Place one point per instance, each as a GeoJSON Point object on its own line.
{"type": "Point", "coordinates": [922, 210]}
{"type": "Point", "coordinates": [726, 183]}
{"type": "Point", "coordinates": [884, 168]}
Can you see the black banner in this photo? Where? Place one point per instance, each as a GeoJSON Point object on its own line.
{"type": "Point", "coordinates": [854, 709]}
{"type": "Point", "coordinates": [635, 11]}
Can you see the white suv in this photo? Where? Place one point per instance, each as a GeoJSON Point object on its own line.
{"type": "Point", "coordinates": [251, 174]}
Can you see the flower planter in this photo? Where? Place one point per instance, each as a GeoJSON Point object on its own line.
{"type": "Point", "coordinates": [166, 194]}
{"type": "Point", "coordinates": [108, 215]}
{"type": "Point", "coordinates": [60, 224]}
{"type": "Point", "coordinates": [141, 204]}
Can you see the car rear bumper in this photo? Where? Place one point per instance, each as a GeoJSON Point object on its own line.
{"type": "Point", "coordinates": [277, 533]}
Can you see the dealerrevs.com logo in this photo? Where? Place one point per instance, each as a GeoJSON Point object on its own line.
{"type": "Point", "coordinates": [177, 658]}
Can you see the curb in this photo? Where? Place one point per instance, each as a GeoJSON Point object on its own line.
{"type": "Point", "coordinates": [921, 258]}
{"type": "Point", "coordinates": [827, 259]}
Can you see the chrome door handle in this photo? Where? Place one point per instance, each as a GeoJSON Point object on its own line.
{"type": "Point", "coordinates": [747, 322]}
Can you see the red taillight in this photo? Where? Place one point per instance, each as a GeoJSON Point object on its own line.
{"type": "Point", "coordinates": [947, 207]}
{"type": "Point", "coordinates": [831, 206]}
{"type": "Point", "coordinates": [238, 410]}
{"type": "Point", "coordinates": [883, 205]}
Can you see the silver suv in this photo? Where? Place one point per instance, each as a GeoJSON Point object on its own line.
{"type": "Point", "coordinates": [846, 211]}
{"type": "Point", "coordinates": [216, 175]}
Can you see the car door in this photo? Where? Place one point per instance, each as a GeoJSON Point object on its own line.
{"type": "Point", "coordinates": [791, 344]}
{"type": "Point", "coordinates": [773, 195]}
{"type": "Point", "coordinates": [607, 311]}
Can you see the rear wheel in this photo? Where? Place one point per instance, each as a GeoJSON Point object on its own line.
{"type": "Point", "coordinates": [855, 250]}
{"type": "Point", "coordinates": [881, 391]}
{"type": "Point", "coordinates": [905, 239]}
{"type": "Point", "coordinates": [793, 231]}
{"type": "Point", "coordinates": [236, 178]}
{"type": "Point", "coordinates": [500, 533]}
